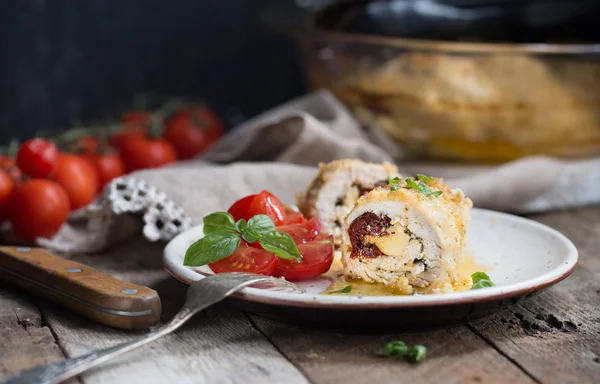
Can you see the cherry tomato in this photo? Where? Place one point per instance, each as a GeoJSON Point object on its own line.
{"type": "Point", "coordinates": [8, 165]}
{"type": "Point", "coordinates": [6, 189]}
{"type": "Point", "coordinates": [239, 209]}
{"type": "Point", "coordinates": [302, 233]}
{"type": "Point", "coordinates": [293, 217]}
{"type": "Point", "coordinates": [192, 130]}
{"type": "Point", "coordinates": [247, 259]}
{"type": "Point", "coordinates": [78, 178]}
{"type": "Point", "coordinates": [86, 145]}
{"type": "Point", "coordinates": [108, 167]}
{"type": "Point", "coordinates": [125, 135]}
{"type": "Point", "coordinates": [265, 203]}
{"type": "Point", "coordinates": [136, 118]}
{"type": "Point", "coordinates": [142, 153]}
{"type": "Point", "coordinates": [38, 209]}
{"type": "Point", "coordinates": [317, 256]}
{"type": "Point", "coordinates": [37, 158]}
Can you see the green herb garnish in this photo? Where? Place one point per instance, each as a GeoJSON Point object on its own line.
{"type": "Point", "coordinates": [400, 350]}
{"type": "Point", "coordinates": [346, 289]}
{"type": "Point", "coordinates": [393, 183]}
{"type": "Point", "coordinates": [223, 236]}
{"type": "Point", "coordinates": [421, 187]}
{"type": "Point", "coordinates": [422, 177]}
{"type": "Point", "coordinates": [481, 280]}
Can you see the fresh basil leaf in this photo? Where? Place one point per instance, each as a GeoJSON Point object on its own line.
{"type": "Point", "coordinates": [422, 177]}
{"type": "Point", "coordinates": [250, 235]}
{"type": "Point", "coordinates": [212, 247]}
{"type": "Point", "coordinates": [346, 289]}
{"type": "Point", "coordinates": [261, 224]}
{"type": "Point", "coordinates": [241, 225]}
{"type": "Point", "coordinates": [218, 222]}
{"type": "Point", "coordinates": [281, 244]}
{"type": "Point", "coordinates": [395, 180]}
{"type": "Point", "coordinates": [481, 280]}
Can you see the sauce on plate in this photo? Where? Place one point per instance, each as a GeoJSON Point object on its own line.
{"type": "Point", "coordinates": [362, 288]}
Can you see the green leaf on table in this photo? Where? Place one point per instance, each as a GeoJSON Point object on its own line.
{"type": "Point", "coordinates": [212, 247]}
{"type": "Point", "coordinates": [219, 222]}
{"type": "Point", "coordinates": [281, 244]}
{"type": "Point", "coordinates": [396, 349]}
{"type": "Point", "coordinates": [416, 353]}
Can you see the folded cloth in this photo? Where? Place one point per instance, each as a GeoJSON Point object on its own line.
{"type": "Point", "coordinates": [279, 151]}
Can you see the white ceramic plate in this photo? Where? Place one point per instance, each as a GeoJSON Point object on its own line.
{"type": "Point", "coordinates": [523, 257]}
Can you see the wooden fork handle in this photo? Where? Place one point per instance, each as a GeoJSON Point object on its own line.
{"type": "Point", "coordinates": [83, 289]}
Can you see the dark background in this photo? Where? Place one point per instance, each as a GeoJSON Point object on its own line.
{"type": "Point", "coordinates": [63, 61]}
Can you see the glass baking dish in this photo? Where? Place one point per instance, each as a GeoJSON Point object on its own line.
{"type": "Point", "coordinates": [467, 101]}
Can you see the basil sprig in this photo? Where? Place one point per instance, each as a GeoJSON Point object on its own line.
{"type": "Point", "coordinates": [481, 280]}
{"type": "Point", "coordinates": [222, 237]}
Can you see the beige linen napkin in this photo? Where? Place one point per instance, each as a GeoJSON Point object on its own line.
{"type": "Point", "coordinates": [279, 150]}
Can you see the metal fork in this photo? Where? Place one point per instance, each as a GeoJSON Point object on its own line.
{"type": "Point", "coordinates": [200, 295]}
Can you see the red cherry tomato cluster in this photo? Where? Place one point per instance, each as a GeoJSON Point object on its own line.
{"type": "Point", "coordinates": [316, 248]}
{"type": "Point", "coordinates": [45, 181]}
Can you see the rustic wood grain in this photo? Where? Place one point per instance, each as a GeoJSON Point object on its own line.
{"type": "Point", "coordinates": [218, 345]}
{"type": "Point", "coordinates": [551, 338]}
{"type": "Point", "coordinates": [454, 355]}
{"type": "Point", "coordinates": [555, 337]}
{"type": "Point", "coordinates": [24, 340]}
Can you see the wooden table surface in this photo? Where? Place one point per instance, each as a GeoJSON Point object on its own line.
{"type": "Point", "coordinates": [551, 338]}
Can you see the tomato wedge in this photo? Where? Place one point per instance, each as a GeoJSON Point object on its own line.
{"type": "Point", "coordinates": [317, 256]}
{"type": "Point", "coordinates": [302, 233]}
{"type": "Point", "coordinates": [247, 259]}
{"type": "Point", "coordinates": [265, 203]}
{"type": "Point", "coordinates": [239, 209]}
{"type": "Point", "coordinates": [293, 217]}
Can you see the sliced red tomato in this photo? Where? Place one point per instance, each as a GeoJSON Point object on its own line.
{"type": "Point", "coordinates": [247, 259]}
{"type": "Point", "coordinates": [302, 233]}
{"type": "Point", "coordinates": [317, 256]}
{"type": "Point", "coordinates": [293, 217]}
{"type": "Point", "coordinates": [239, 209]}
{"type": "Point", "coordinates": [265, 203]}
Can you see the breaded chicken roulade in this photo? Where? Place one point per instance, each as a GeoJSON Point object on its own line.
{"type": "Point", "coordinates": [409, 234]}
{"type": "Point", "coordinates": [334, 191]}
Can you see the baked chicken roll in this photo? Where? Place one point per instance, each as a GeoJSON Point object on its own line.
{"type": "Point", "coordinates": [408, 235]}
{"type": "Point", "coordinates": [334, 191]}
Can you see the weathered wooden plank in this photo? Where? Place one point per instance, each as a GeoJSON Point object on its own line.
{"type": "Point", "coordinates": [454, 355]}
{"type": "Point", "coordinates": [25, 341]}
{"type": "Point", "coordinates": [555, 336]}
{"type": "Point", "coordinates": [218, 345]}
